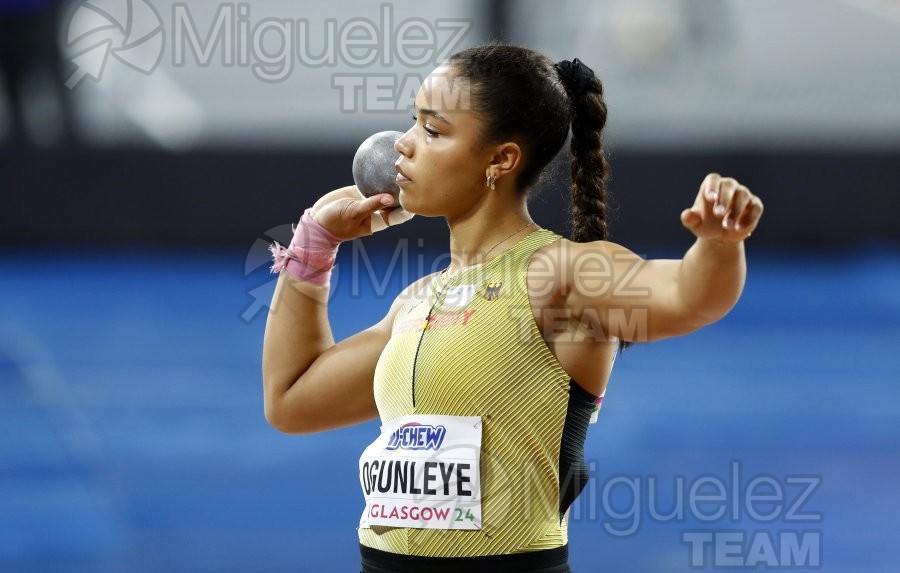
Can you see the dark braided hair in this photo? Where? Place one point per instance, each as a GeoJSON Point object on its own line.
{"type": "Point", "coordinates": [589, 165]}
{"type": "Point", "coordinates": [519, 92]}
{"type": "Point", "coordinates": [590, 168]}
{"type": "Point", "coordinates": [523, 96]}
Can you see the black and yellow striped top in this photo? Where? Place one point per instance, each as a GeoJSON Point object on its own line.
{"type": "Point", "coordinates": [482, 354]}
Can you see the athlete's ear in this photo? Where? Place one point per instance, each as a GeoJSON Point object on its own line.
{"type": "Point", "coordinates": [505, 158]}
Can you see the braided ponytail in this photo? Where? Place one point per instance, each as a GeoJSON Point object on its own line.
{"type": "Point", "coordinates": [508, 83]}
{"type": "Point", "coordinates": [590, 168]}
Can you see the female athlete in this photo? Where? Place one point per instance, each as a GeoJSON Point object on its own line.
{"type": "Point", "coordinates": [485, 375]}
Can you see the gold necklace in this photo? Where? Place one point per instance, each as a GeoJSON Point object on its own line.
{"type": "Point", "coordinates": [437, 300]}
{"type": "Point", "coordinates": [489, 251]}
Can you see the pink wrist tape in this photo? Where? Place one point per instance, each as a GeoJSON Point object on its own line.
{"type": "Point", "coordinates": [311, 254]}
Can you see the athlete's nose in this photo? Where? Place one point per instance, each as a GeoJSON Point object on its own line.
{"type": "Point", "coordinates": [404, 143]}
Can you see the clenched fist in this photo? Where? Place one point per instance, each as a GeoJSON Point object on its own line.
{"type": "Point", "coordinates": [724, 210]}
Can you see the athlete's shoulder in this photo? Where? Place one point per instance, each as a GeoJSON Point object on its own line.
{"type": "Point", "coordinates": [561, 264]}
{"type": "Point", "coordinates": [565, 254]}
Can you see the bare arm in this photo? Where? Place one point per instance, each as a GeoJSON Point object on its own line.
{"type": "Point", "coordinates": [643, 300]}
{"type": "Point", "coordinates": [710, 280]}
{"type": "Point", "coordinates": [311, 384]}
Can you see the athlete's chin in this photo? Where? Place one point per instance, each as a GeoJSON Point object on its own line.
{"type": "Point", "coordinates": [413, 203]}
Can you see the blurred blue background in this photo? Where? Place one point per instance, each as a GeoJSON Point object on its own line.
{"type": "Point", "coordinates": [138, 200]}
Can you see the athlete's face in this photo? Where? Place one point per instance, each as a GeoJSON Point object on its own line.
{"type": "Point", "coordinates": [441, 157]}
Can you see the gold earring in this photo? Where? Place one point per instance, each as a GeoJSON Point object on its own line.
{"type": "Point", "coordinates": [490, 182]}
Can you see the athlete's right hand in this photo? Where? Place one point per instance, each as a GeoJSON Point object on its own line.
{"type": "Point", "coordinates": [347, 214]}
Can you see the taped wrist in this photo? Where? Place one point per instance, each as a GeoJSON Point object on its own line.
{"type": "Point", "coordinates": [311, 253]}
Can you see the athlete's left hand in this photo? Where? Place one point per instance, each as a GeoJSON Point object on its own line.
{"type": "Point", "coordinates": [724, 210]}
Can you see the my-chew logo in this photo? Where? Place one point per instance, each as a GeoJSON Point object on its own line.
{"type": "Point", "coordinates": [414, 436]}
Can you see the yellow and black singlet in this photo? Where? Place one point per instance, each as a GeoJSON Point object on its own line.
{"type": "Point", "coordinates": [470, 346]}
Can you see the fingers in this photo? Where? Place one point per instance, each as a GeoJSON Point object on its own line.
{"type": "Point", "coordinates": [389, 218]}
{"type": "Point", "coordinates": [723, 208]}
{"type": "Point", "coordinates": [725, 195]}
{"type": "Point", "coordinates": [718, 192]}
{"type": "Point", "coordinates": [735, 198]}
{"type": "Point", "coordinates": [750, 215]}
{"type": "Point", "coordinates": [709, 189]}
{"type": "Point", "coordinates": [370, 205]}
{"type": "Point", "coordinates": [397, 216]}
{"type": "Point", "coordinates": [337, 196]}
{"type": "Point", "coordinates": [691, 219]}
{"type": "Point", "coordinates": [729, 200]}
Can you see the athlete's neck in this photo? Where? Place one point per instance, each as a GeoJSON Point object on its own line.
{"type": "Point", "coordinates": [476, 241]}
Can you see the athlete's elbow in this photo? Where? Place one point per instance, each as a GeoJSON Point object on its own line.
{"type": "Point", "coordinates": [285, 425]}
{"type": "Point", "coordinates": [673, 326]}
{"type": "Point", "coordinates": [694, 322]}
{"type": "Point", "coordinates": [280, 411]}
{"type": "Point", "coordinates": [282, 415]}
{"type": "Point", "coordinates": [283, 420]}
{"type": "Point", "coordinates": [274, 418]}
{"type": "Point", "coordinates": [714, 312]}
{"type": "Point", "coordinates": [697, 314]}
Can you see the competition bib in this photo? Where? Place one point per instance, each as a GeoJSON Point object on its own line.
{"type": "Point", "coordinates": [424, 472]}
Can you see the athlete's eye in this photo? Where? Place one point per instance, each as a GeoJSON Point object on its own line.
{"type": "Point", "coordinates": [428, 130]}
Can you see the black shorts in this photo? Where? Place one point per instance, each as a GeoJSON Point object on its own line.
{"type": "Point", "coordinates": [544, 561]}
